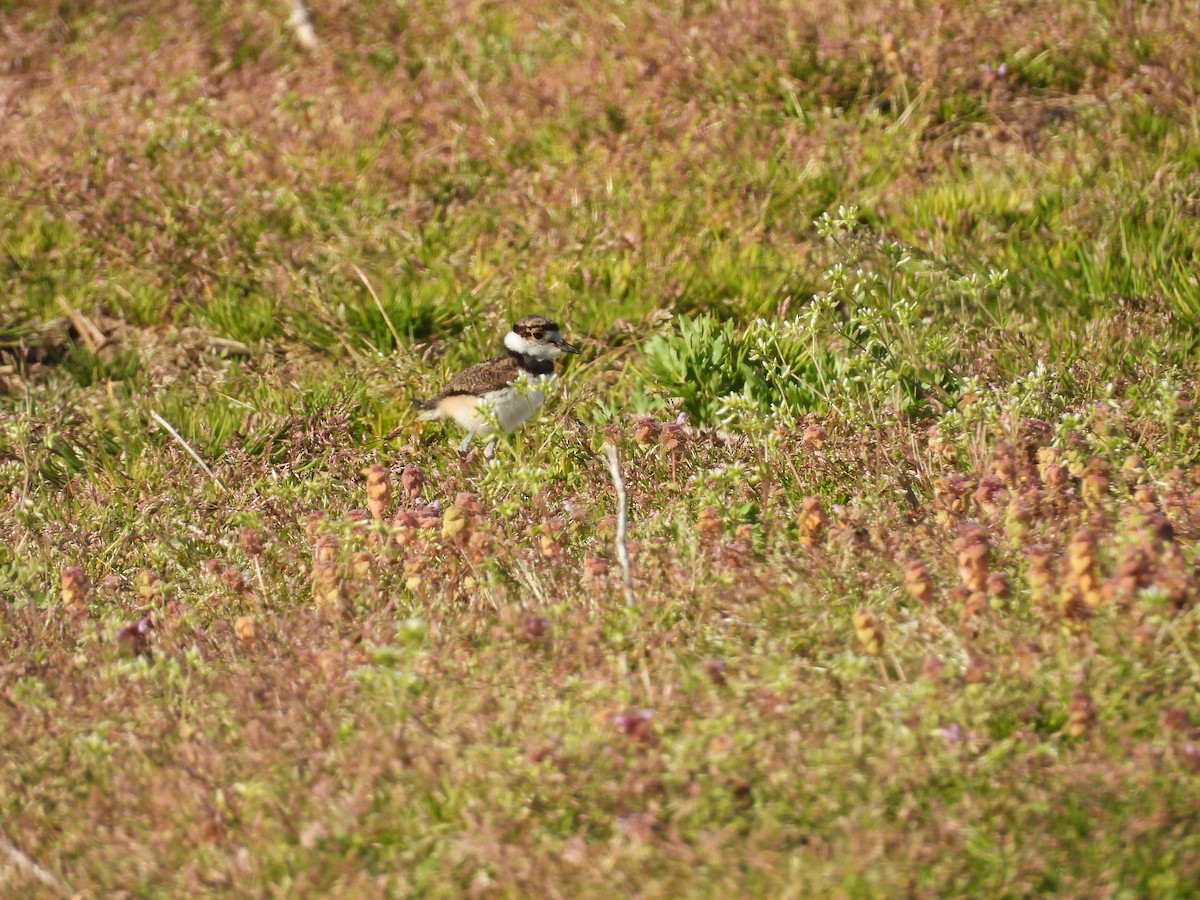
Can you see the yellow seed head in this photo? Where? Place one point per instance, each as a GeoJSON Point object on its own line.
{"type": "Point", "coordinates": [324, 573]}
{"type": "Point", "coordinates": [1004, 464]}
{"type": "Point", "coordinates": [975, 606]}
{"type": "Point", "coordinates": [1041, 575]}
{"type": "Point", "coordinates": [327, 588]}
{"type": "Point", "coordinates": [1095, 482]}
{"type": "Point", "coordinates": [454, 522]}
{"type": "Point", "coordinates": [312, 528]}
{"type": "Point", "coordinates": [812, 522]}
{"type": "Point", "coordinates": [973, 552]}
{"type": "Point", "coordinates": [362, 563]}
{"type": "Point", "coordinates": [1056, 477]}
{"type": "Point", "coordinates": [990, 494]}
{"type": "Point", "coordinates": [149, 585]}
{"type": "Point", "coordinates": [973, 566]}
{"type": "Point", "coordinates": [868, 631]}
{"type": "Point", "coordinates": [326, 548]}
{"type": "Point", "coordinates": [1133, 469]}
{"type": "Point", "coordinates": [479, 546]}
{"type": "Point", "coordinates": [551, 547]}
{"type": "Point", "coordinates": [1081, 561]}
{"type": "Point", "coordinates": [1046, 457]}
{"type": "Point", "coordinates": [1081, 552]}
{"type": "Point", "coordinates": [379, 490]}
{"type": "Point", "coordinates": [708, 525]}
{"type": "Point", "coordinates": [75, 588]}
{"type": "Point", "coordinates": [1019, 518]}
{"type": "Point", "coordinates": [1075, 609]}
{"type": "Point", "coordinates": [1091, 589]}
{"type": "Point", "coordinates": [244, 629]}
{"type": "Point", "coordinates": [918, 582]}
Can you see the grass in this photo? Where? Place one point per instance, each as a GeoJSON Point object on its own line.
{"type": "Point", "coordinates": [891, 316]}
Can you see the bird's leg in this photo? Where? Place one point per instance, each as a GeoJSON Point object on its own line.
{"type": "Point", "coordinates": [489, 452]}
{"type": "Point", "coordinates": [466, 442]}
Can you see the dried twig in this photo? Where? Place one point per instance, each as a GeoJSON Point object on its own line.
{"type": "Point", "coordinates": [301, 23]}
{"type": "Point", "coordinates": [614, 469]}
{"type": "Point", "coordinates": [386, 319]}
{"type": "Point", "coordinates": [30, 868]}
{"type": "Point", "coordinates": [232, 347]}
{"type": "Point", "coordinates": [186, 446]}
{"type": "Point", "coordinates": [473, 91]}
{"type": "Point", "coordinates": [92, 336]}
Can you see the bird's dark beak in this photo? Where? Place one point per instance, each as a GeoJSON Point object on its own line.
{"type": "Point", "coordinates": [565, 347]}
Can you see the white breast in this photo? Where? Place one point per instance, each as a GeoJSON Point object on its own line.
{"type": "Point", "coordinates": [514, 404]}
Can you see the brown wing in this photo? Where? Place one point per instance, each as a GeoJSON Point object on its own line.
{"type": "Point", "coordinates": [490, 375]}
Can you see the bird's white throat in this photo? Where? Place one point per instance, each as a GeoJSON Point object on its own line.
{"type": "Point", "coordinates": [537, 350]}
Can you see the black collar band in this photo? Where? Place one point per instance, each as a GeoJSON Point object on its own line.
{"type": "Point", "coordinates": [534, 365]}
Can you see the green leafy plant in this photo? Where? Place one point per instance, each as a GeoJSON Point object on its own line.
{"type": "Point", "coordinates": [711, 366]}
{"type": "Point", "coordinates": [871, 334]}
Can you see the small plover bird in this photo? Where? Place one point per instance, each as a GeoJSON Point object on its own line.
{"type": "Point", "coordinates": [506, 390]}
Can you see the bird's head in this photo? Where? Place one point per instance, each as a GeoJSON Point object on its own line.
{"type": "Point", "coordinates": [538, 337]}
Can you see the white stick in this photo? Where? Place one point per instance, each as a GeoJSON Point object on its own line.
{"type": "Point", "coordinates": [301, 23]}
{"type": "Point", "coordinates": [26, 864]}
{"type": "Point", "coordinates": [184, 444]}
{"type": "Point", "coordinates": [614, 469]}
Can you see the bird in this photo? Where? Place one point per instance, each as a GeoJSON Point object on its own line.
{"type": "Point", "coordinates": [506, 390]}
